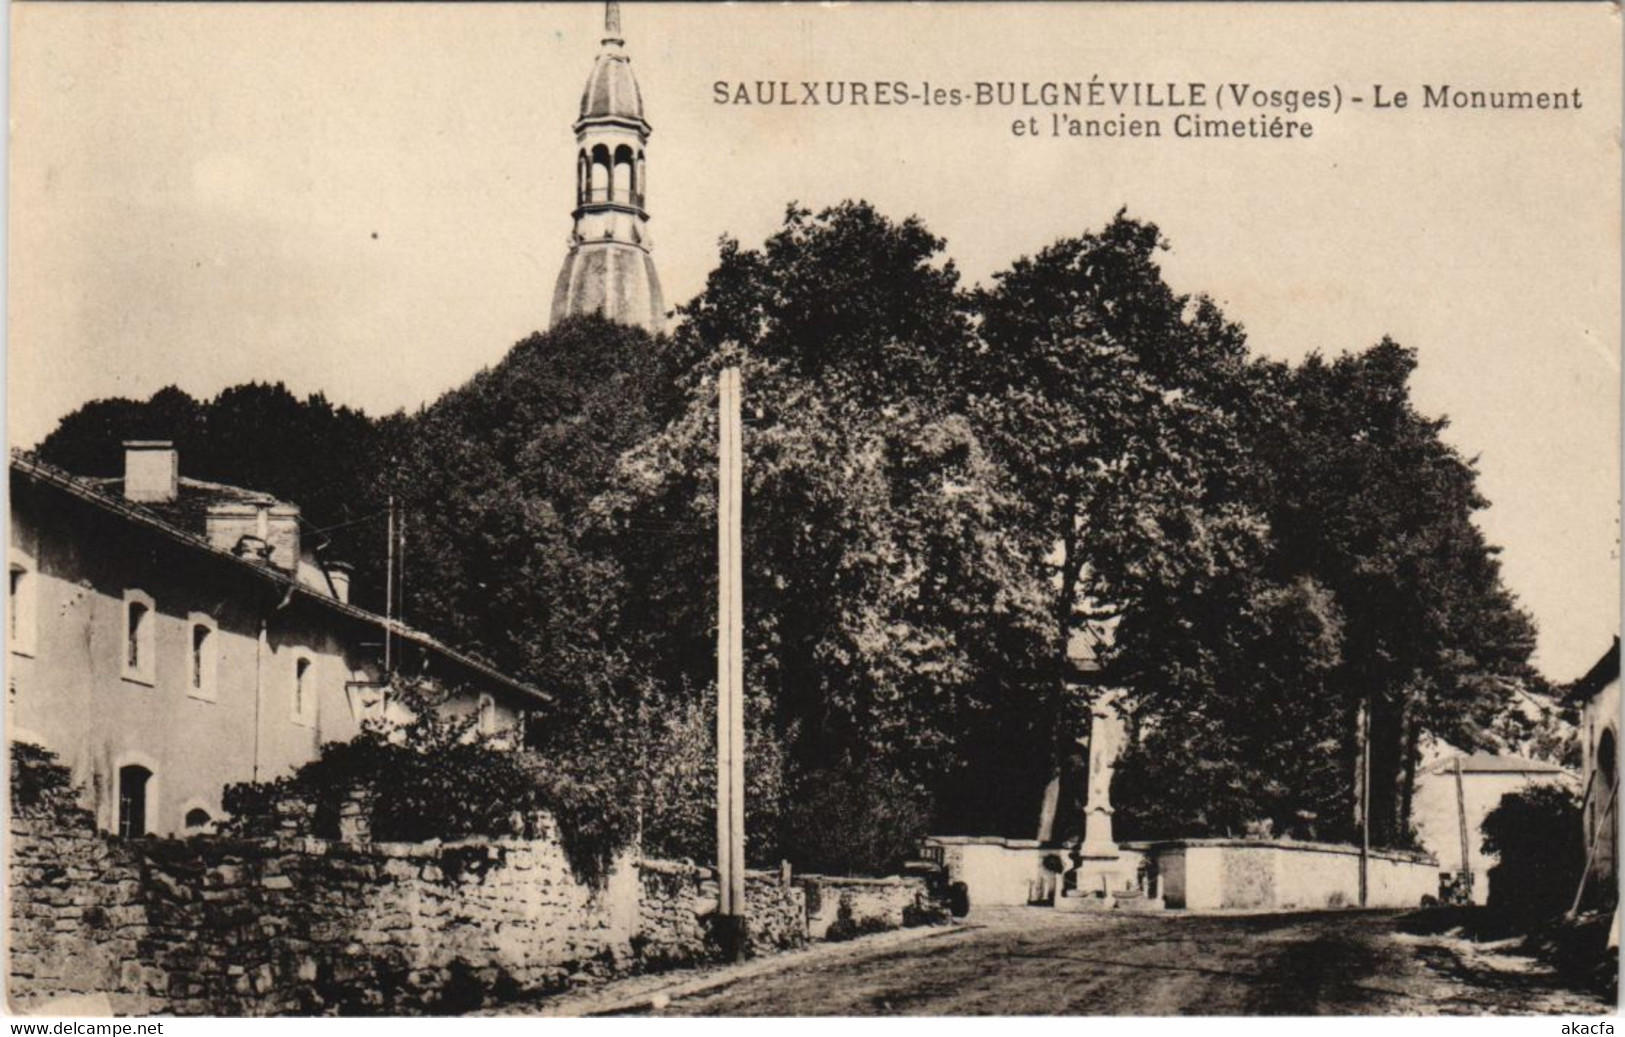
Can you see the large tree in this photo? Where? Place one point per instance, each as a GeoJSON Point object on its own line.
{"type": "Point", "coordinates": [890, 621]}
{"type": "Point", "coordinates": [509, 555]}
{"type": "Point", "coordinates": [496, 481]}
{"type": "Point", "coordinates": [1367, 496]}
{"type": "Point", "coordinates": [1254, 552]}
{"type": "Point", "coordinates": [1112, 403]}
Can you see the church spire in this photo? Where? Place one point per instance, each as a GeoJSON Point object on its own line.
{"type": "Point", "coordinates": [608, 269]}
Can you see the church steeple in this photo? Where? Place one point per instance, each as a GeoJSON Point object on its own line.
{"type": "Point", "coordinates": [609, 269]}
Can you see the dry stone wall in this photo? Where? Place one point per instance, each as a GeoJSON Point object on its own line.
{"type": "Point", "coordinates": [678, 905]}
{"type": "Point", "coordinates": [294, 925]}
{"type": "Point", "coordinates": [78, 914]}
{"type": "Point", "coordinates": [839, 907]}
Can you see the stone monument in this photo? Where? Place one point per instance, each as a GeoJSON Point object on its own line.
{"type": "Point", "coordinates": [1103, 876]}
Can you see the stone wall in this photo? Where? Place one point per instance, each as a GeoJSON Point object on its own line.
{"type": "Point", "coordinates": [78, 912]}
{"type": "Point", "coordinates": [999, 872]}
{"type": "Point", "coordinates": [857, 905]}
{"type": "Point", "coordinates": [677, 902]}
{"type": "Point", "coordinates": [293, 925]}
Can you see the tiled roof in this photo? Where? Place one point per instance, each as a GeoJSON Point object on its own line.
{"type": "Point", "coordinates": [193, 499]}
{"type": "Point", "coordinates": [92, 492]}
{"type": "Point", "coordinates": [1493, 763]}
{"type": "Point", "coordinates": [1602, 673]}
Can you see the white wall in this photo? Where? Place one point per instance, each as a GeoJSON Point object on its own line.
{"type": "Point", "coordinates": [1435, 814]}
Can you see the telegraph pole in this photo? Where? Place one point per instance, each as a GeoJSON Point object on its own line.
{"type": "Point", "coordinates": [1365, 801]}
{"type": "Point", "coordinates": [389, 592]}
{"type": "Point", "coordinates": [1465, 875]}
{"type": "Point", "coordinates": [731, 908]}
{"type": "Point", "coordinates": [400, 565]}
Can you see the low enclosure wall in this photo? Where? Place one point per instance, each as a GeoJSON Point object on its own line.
{"type": "Point", "coordinates": [1200, 874]}
{"type": "Point", "coordinates": [841, 908]}
{"type": "Point", "coordinates": [1241, 873]}
{"type": "Point", "coordinates": [214, 925]}
{"type": "Point", "coordinates": [997, 872]}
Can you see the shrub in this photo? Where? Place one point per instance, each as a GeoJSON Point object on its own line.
{"type": "Point", "coordinates": [431, 777]}
{"type": "Point", "coordinates": [426, 778]}
{"type": "Point", "coordinates": [845, 927]}
{"type": "Point", "coordinates": [925, 911]}
{"type": "Point", "coordinates": [592, 807]}
{"type": "Point", "coordinates": [1539, 838]}
{"type": "Point", "coordinates": [855, 820]}
{"type": "Point", "coordinates": [39, 781]}
{"type": "Point", "coordinates": [679, 791]}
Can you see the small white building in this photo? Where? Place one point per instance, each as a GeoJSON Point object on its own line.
{"type": "Point", "coordinates": [1486, 778]}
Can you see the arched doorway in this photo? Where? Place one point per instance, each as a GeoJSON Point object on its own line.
{"type": "Point", "coordinates": [133, 784]}
{"type": "Point", "coordinates": [1605, 804]}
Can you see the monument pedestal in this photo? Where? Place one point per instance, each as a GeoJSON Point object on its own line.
{"type": "Point", "coordinates": [1105, 882]}
{"type": "Point", "coordinates": [1096, 878]}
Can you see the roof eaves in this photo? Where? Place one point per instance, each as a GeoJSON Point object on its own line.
{"type": "Point", "coordinates": [76, 487]}
{"type": "Point", "coordinates": [1603, 672]}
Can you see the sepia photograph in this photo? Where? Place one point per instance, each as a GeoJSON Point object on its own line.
{"type": "Point", "coordinates": [786, 509]}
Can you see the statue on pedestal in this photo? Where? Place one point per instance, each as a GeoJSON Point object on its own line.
{"type": "Point", "coordinates": [1100, 871]}
{"type": "Point", "coordinates": [1105, 742]}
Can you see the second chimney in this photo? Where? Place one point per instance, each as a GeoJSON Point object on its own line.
{"type": "Point", "coordinates": [152, 470]}
{"type": "Point", "coordinates": [338, 578]}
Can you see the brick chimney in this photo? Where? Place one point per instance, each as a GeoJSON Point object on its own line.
{"type": "Point", "coordinates": [338, 578]}
{"type": "Point", "coordinates": [257, 527]}
{"type": "Point", "coordinates": [152, 470]}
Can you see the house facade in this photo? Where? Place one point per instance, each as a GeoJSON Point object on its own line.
{"type": "Point", "coordinates": [167, 637]}
{"type": "Point", "coordinates": [1597, 694]}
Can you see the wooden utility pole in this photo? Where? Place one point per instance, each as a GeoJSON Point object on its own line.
{"type": "Point", "coordinates": [389, 592]}
{"type": "Point", "coordinates": [731, 907]}
{"type": "Point", "coordinates": [400, 569]}
{"type": "Point", "coordinates": [1365, 801]}
{"type": "Point", "coordinates": [1464, 877]}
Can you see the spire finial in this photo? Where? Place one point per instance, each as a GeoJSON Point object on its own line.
{"type": "Point", "coordinates": [612, 21]}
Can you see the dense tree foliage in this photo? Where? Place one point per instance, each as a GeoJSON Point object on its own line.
{"type": "Point", "coordinates": [1368, 498]}
{"type": "Point", "coordinates": [859, 818]}
{"type": "Point", "coordinates": [966, 511]}
{"type": "Point", "coordinates": [889, 615]}
{"type": "Point", "coordinates": [321, 457]}
{"type": "Point", "coordinates": [497, 480]}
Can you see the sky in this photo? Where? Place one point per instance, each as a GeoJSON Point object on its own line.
{"type": "Point", "coordinates": [372, 201]}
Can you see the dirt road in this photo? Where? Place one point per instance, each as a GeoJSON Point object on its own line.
{"type": "Point", "coordinates": [1038, 962]}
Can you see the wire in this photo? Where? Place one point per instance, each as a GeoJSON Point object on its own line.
{"type": "Point", "coordinates": [352, 522]}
